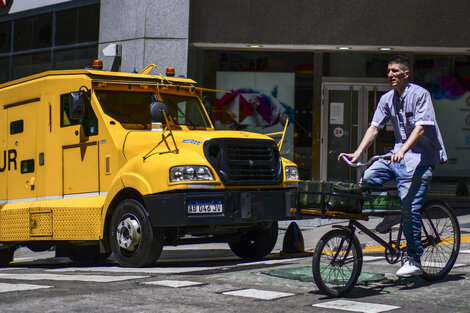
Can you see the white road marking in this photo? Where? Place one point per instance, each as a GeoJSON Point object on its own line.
{"type": "Point", "coordinates": [464, 251]}
{"type": "Point", "coordinates": [440, 265]}
{"type": "Point", "coordinates": [258, 294]}
{"type": "Point", "coordinates": [162, 270]}
{"type": "Point", "coordinates": [173, 283]}
{"type": "Point", "coordinates": [146, 270]}
{"type": "Point", "coordinates": [88, 278]}
{"type": "Point", "coordinates": [355, 306]}
{"type": "Point", "coordinates": [6, 287]}
{"type": "Point", "coordinates": [372, 258]}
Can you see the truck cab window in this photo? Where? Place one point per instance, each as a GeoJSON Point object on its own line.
{"type": "Point", "coordinates": [186, 110]}
{"type": "Point", "coordinates": [131, 109]}
{"type": "Point", "coordinates": [89, 121]}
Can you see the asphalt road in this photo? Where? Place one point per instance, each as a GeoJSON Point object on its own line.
{"type": "Point", "coordinates": [209, 278]}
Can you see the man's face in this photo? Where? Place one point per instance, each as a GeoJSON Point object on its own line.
{"type": "Point", "coordinates": [397, 77]}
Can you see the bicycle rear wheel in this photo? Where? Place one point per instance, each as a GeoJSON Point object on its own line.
{"type": "Point", "coordinates": [440, 234]}
{"type": "Point", "coordinates": [337, 263]}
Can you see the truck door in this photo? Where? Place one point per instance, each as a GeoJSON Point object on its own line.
{"type": "Point", "coordinates": [20, 160]}
{"type": "Point", "coordinates": [80, 152]}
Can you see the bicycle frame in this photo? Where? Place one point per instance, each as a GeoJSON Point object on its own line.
{"type": "Point", "coordinates": [351, 228]}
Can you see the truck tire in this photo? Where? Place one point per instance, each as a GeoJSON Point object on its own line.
{"type": "Point", "coordinates": [255, 243]}
{"type": "Point", "coordinates": [133, 240]}
{"type": "Point", "coordinates": [6, 256]}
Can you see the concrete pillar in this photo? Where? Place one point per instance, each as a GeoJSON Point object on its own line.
{"type": "Point", "coordinates": [146, 31]}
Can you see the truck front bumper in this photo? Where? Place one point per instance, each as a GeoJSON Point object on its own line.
{"type": "Point", "coordinates": [237, 207]}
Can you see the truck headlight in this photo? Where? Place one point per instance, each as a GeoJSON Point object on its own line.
{"type": "Point", "coordinates": [292, 173]}
{"type": "Point", "coordinates": [190, 173]}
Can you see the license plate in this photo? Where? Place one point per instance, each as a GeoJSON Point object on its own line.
{"type": "Point", "coordinates": [205, 207]}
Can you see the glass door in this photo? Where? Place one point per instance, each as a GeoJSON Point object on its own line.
{"type": "Point", "coordinates": [346, 113]}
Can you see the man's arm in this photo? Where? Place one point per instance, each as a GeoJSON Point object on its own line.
{"type": "Point", "coordinates": [369, 137]}
{"type": "Point", "coordinates": [417, 133]}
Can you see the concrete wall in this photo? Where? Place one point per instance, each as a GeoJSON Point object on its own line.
{"type": "Point", "coordinates": [430, 23]}
{"type": "Point", "coordinates": [148, 31]}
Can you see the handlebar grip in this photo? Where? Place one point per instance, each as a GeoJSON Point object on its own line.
{"type": "Point", "coordinates": [345, 159]}
{"type": "Point", "coordinates": [372, 159]}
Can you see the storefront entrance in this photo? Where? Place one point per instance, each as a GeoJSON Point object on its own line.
{"type": "Point", "coordinates": [347, 109]}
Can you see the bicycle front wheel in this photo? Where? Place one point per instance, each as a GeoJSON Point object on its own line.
{"type": "Point", "coordinates": [441, 239]}
{"type": "Point", "coordinates": [337, 262]}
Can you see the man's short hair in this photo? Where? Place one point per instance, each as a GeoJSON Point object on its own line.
{"type": "Point", "coordinates": [402, 60]}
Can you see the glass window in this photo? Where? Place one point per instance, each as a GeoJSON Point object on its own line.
{"type": "Point", "coordinates": [131, 109]}
{"type": "Point", "coordinates": [185, 110]}
{"type": "Point", "coordinates": [446, 77]}
{"type": "Point", "coordinates": [23, 34]}
{"type": "Point", "coordinates": [77, 25]}
{"type": "Point", "coordinates": [27, 166]}
{"type": "Point", "coordinates": [265, 85]}
{"type": "Point", "coordinates": [16, 127]}
{"type": "Point", "coordinates": [88, 23]}
{"type": "Point", "coordinates": [5, 37]}
{"type": "Point", "coordinates": [89, 121]}
{"type": "Point", "coordinates": [4, 69]}
{"type": "Point", "coordinates": [42, 31]}
{"type": "Point", "coordinates": [66, 27]}
{"type": "Point", "coordinates": [24, 65]}
{"type": "Point", "coordinates": [75, 58]}
{"type": "Point", "coordinates": [33, 32]}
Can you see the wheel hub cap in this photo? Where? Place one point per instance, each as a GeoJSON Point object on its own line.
{"type": "Point", "coordinates": [128, 234]}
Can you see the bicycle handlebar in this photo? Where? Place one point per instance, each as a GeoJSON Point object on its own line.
{"type": "Point", "coordinates": [372, 159]}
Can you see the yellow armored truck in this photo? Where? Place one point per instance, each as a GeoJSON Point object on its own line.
{"type": "Point", "coordinates": [94, 162]}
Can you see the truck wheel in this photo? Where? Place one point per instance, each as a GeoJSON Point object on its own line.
{"type": "Point", "coordinates": [255, 243]}
{"type": "Point", "coordinates": [133, 240]}
{"type": "Point", "coordinates": [6, 256]}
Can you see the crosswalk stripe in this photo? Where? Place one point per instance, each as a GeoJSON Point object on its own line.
{"type": "Point", "coordinates": [173, 283]}
{"type": "Point", "coordinates": [162, 270]}
{"type": "Point", "coordinates": [146, 270]}
{"type": "Point", "coordinates": [6, 287]}
{"type": "Point", "coordinates": [440, 265]}
{"type": "Point", "coordinates": [372, 258]}
{"type": "Point", "coordinates": [87, 278]}
{"type": "Point", "coordinates": [355, 306]}
{"type": "Point", "coordinates": [258, 294]}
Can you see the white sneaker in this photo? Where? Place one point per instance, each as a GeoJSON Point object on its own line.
{"type": "Point", "coordinates": [410, 268]}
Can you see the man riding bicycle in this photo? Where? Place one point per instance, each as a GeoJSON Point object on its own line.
{"type": "Point", "coordinates": [418, 148]}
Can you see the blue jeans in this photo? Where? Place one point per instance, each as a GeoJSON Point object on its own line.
{"type": "Point", "coordinates": [412, 187]}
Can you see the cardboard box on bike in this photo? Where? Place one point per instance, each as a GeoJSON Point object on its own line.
{"type": "Point", "coordinates": [85, 166]}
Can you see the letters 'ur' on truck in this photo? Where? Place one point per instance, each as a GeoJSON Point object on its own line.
{"type": "Point", "coordinates": [94, 162]}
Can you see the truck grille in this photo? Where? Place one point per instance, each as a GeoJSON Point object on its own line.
{"type": "Point", "coordinates": [245, 161]}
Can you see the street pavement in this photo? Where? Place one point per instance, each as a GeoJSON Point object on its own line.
{"type": "Point", "coordinates": [209, 278]}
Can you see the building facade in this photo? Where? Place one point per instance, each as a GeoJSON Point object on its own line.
{"type": "Point", "coordinates": [321, 63]}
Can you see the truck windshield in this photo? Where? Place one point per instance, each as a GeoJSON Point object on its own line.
{"type": "Point", "coordinates": [131, 109]}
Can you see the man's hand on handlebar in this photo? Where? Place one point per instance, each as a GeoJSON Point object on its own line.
{"type": "Point", "coordinates": [353, 157]}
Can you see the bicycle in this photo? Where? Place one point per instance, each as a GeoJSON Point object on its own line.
{"type": "Point", "coordinates": [337, 259]}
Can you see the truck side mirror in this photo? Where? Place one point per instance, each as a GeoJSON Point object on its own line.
{"type": "Point", "coordinates": [77, 105]}
{"type": "Point", "coordinates": [283, 118]}
{"type": "Point", "coordinates": [156, 108]}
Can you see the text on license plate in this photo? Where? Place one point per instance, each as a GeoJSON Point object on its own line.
{"type": "Point", "coordinates": [205, 206]}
